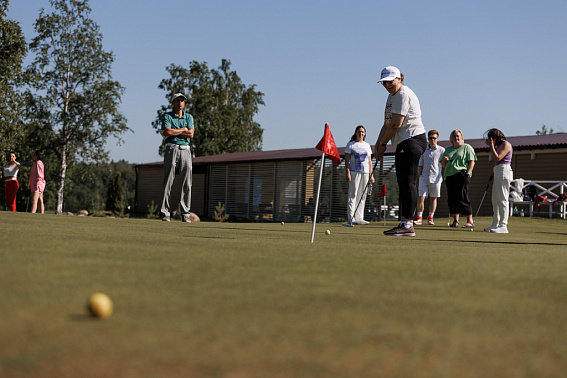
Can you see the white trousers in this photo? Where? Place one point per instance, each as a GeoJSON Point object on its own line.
{"type": "Point", "coordinates": [503, 176]}
{"type": "Point", "coordinates": [358, 181]}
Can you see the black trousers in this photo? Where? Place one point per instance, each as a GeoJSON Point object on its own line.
{"type": "Point", "coordinates": [407, 160]}
{"type": "Point", "coordinates": [458, 193]}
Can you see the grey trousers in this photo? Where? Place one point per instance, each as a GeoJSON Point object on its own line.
{"type": "Point", "coordinates": [176, 159]}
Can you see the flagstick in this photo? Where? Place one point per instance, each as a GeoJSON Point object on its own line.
{"type": "Point", "coordinates": [385, 211]}
{"type": "Point", "coordinates": [317, 201]}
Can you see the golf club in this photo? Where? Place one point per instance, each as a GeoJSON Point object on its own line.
{"type": "Point", "coordinates": [349, 224]}
{"type": "Point", "coordinates": [484, 195]}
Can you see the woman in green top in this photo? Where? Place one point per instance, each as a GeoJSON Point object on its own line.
{"type": "Point", "coordinates": [458, 164]}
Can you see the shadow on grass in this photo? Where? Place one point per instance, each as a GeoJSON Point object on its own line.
{"type": "Point", "coordinates": [507, 242]}
{"type": "Point", "coordinates": [552, 233]}
{"type": "Point", "coordinates": [446, 230]}
{"type": "Point", "coordinates": [207, 237]}
{"type": "Point", "coordinates": [251, 229]}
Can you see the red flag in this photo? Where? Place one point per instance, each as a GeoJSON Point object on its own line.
{"type": "Point", "coordinates": [383, 191]}
{"type": "Point", "coordinates": [327, 145]}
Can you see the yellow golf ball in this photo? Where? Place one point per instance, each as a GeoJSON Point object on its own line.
{"type": "Point", "coordinates": [328, 232]}
{"type": "Point", "coordinates": [283, 223]}
{"type": "Point", "coordinates": [100, 305]}
{"type": "Point", "coordinates": [472, 229]}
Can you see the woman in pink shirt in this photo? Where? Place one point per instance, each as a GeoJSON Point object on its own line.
{"type": "Point", "coordinates": [37, 182]}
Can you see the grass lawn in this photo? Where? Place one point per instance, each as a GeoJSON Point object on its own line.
{"type": "Point", "coordinates": [259, 300]}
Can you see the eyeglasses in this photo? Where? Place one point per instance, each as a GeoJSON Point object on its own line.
{"type": "Point", "coordinates": [432, 138]}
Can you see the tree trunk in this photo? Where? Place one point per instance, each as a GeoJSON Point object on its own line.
{"type": "Point", "coordinates": [61, 182]}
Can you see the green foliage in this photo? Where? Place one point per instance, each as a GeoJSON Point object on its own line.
{"type": "Point", "coordinates": [115, 197]}
{"type": "Point", "coordinates": [219, 210]}
{"type": "Point", "coordinates": [222, 106]}
{"type": "Point", "coordinates": [69, 73]}
{"type": "Point", "coordinates": [88, 181]}
{"type": "Point", "coordinates": [544, 130]}
{"type": "Point", "coordinates": [97, 207]}
{"type": "Point", "coordinates": [13, 49]}
{"type": "Point", "coordinates": [152, 211]}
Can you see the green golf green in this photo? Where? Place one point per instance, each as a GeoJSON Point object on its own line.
{"type": "Point", "coordinates": [259, 300]}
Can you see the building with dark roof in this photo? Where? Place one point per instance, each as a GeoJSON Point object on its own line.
{"type": "Point", "coordinates": [281, 185]}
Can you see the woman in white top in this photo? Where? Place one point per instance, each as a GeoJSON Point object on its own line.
{"type": "Point", "coordinates": [358, 163]}
{"type": "Point", "coordinates": [11, 181]}
{"type": "Point", "coordinates": [402, 126]}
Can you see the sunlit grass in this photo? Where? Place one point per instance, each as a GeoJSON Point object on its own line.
{"type": "Point", "coordinates": [259, 300]}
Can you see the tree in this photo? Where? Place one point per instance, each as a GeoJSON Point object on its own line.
{"type": "Point", "coordinates": [222, 106]}
{"type": "Point", "coordinates": [544, 131]}
{"type": "Point", "coordinates": [87, 184]}
{"type": "Point", "coordinates": [115, 196]}
{"type": "Point", "coordinates": [70, 73]}
{"type": "Point", "coordinates": [13, 49]}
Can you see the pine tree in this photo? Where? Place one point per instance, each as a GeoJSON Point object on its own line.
{"type": "Point", "coordinates": [115, 197]}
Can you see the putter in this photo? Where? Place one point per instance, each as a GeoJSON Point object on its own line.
{"type": "Point", "coordinates": [484, 195]}
{"type": "Point", "coordinates": [349, 224]}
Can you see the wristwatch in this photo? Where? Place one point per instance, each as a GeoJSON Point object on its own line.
{"type": "Point", "coordinates": [383, 144]}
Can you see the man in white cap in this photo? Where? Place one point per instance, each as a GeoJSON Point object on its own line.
{"type": "Point", "coordinates": [178, 129]}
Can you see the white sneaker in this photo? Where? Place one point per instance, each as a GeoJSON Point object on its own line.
{"type": "Point", "coordinates": [488, 229]}
{"type": "Point", "coordinates": [363, 222]}
{"type": "Point", "coordinates": [500, 230]}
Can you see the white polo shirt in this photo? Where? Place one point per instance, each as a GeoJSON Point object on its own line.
{"type": "Point", "coordinates": [431, 163]}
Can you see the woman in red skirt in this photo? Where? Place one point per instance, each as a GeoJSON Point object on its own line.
{"type": "Point", "coordinates": [11, 180]}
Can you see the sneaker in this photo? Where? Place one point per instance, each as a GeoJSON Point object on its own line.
{"type": "Point", "coordinates": [488, 229]}
{"type": "Point", "coordinates": [166, 218]}
{"type": "Point", "coordinates": [500, 230]}
{"type": "Point", "coordinates": [418, 220]}
{"type": "Point", "coordinates": [363, 222]}
{"type": "Point", "coordinates": [430, 220]}
{"type": "Point", "coordinates": [400, 230]}
{"type": "Point", "coordinates": [186, 218]}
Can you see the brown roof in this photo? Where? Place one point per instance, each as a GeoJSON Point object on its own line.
{"type": "Point", "coordinates": [558, 140]}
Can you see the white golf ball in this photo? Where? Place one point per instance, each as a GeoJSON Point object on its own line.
{"type": "Point", "coordinates": [328, 232]}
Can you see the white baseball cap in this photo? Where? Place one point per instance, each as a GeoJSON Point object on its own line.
{"type": "Point", "coordinates": [177, 95]}
{"type": "Point", "coordinates": [389, 73]}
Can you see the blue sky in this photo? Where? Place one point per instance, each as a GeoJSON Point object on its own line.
{"type": "Point", "coordinates": [473, 64]}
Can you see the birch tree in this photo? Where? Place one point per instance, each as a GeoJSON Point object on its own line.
{"type": "Point", "coordinates": [71, 77]}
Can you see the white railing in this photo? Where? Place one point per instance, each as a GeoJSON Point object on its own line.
{"type": "Point", "coordinates": [549, 189]}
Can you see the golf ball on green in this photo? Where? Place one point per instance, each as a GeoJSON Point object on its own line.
{"type": "Point", "coordinates": [328, 232]}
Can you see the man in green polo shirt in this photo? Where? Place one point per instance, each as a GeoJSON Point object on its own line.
{"type": "Point", "coordinates": [177, 128]}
